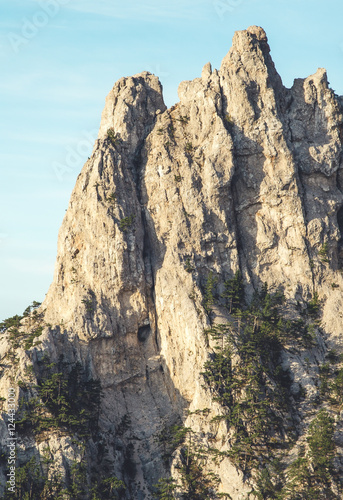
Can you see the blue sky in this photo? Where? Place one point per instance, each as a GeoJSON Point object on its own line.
{"type": "Point", "coordinates": [59, 60]}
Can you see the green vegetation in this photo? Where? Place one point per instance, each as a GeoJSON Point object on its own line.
{"type": "Point", "coordinates": [19, 338]}
{"type": "Point", "coordinates": [336, 390]}
{"type": "Point", "coordinates": [64, 400]}
{"type": "Point", "coordinates": [189, 266]}
{"type": "Point", "coordinates": [331, 382]}
{"type": "Point", "coordinates": [269, 481]}
{"type": "Point", "coordinates": [324, 371]}
{"type": "Point", "coordinates": [209, 298]}
{"type": "Point", "coordinates": [228, 120]}
{"type": "Point", "coordinates": [126, 223]}
{"type": "Point", "coordinates": [321, 446]}
{"type": "Point", "coordinates": [333, 356]}
{"type": "Point", "coordinates": [58, 398]}
{"type": "Point", "coordinates": [14, 321]}
{"type": "Point", "coordinates": [313, 305]}
{"type": "Point", "coordinates": [171, 131]}
{"type": "Point", "coordinates": [310, 475]}
{"type": "Point", "coordinates": [32, 484]}
{"type": "Point", "coordinates": [78, 480]}
{"type": "Point", "coordinates": [183, 119]}
{"type": "Point", "coordinates": [112, 136]}
{"type": "Point", "coordinates": [123, 425]}
{"type": "Point", "coordinates": [89, 305]}
{"type": "Point", "coordinates": [170, 438]}
{"type": "Point", "coordinates": [112, 198]}
{"type": "Point", "coordinates": [177, 178]}
{"type": "Point", "coordinates": [234, 292]}
{"type": "Point", "coordinates": [36, 480]}
{"type": "Point", "coordinates": [32, 309]}
{"type": "Point", "coordinates": [165, 489]}
{"type": "Point", "coordinates": [245, 375]}
{"type": "Point", "coordinates": [23, 339]}
{"type": "Point", "coordinates": [255, 389]}
{"type": "Point", "coordinates": [323, 252]}
{"type": "Point", "coordinates": [189, 147]}
{"type": "Point", "coordinates": [109, 488]}
{"type": "Point", "coordinates": [194, 483]}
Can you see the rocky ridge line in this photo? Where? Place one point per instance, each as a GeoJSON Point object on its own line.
{"type": "Point", "coordinates": [241, 174]}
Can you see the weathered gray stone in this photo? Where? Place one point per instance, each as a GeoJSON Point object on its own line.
{"type": "Point", "coordinates": [241, 173]}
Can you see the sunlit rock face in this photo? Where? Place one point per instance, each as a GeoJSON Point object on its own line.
{"type": "Point", "coordinates": [241, 174]}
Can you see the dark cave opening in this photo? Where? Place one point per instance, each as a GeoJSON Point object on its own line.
{"type": "Point", "coordinates": [143, 333]}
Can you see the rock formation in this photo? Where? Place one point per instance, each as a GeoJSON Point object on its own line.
{"type": "Point", "coordinates": [242, 177]}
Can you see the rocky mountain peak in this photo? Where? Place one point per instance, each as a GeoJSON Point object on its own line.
{"type": "Point", "coordinates": [131, 108]}
{"type": "Point", "coordinates": [197, 296]}
{"type": "Point", "coordinates": [250, 40]}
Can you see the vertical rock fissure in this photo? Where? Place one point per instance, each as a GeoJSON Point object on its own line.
{"type": "Point", "coordinates": [301, 192]}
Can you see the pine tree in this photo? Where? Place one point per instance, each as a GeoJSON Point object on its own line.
{"type": "Point", "coordinates": [165, 489]}
{"type": "Point", "coordinates": [234, 292]}
{"type": "Point", "coordinates": [321, 445]}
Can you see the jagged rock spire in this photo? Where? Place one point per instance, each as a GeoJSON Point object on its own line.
{"type": "Point", "coordinates": [241, 174]}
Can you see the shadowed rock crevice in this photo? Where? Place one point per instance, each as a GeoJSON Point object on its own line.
{"type": "Point", "coordinates": [340, 222]}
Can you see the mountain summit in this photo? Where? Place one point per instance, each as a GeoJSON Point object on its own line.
{"type": "Point", "coordinates": [190, 344]}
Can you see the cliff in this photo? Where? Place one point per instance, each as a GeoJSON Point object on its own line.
{"type": "Point", "coordinates": [201, 251]}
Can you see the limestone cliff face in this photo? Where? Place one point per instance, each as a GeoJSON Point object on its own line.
{"type": "Point", "coordinates": [241, 174]}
